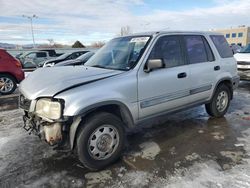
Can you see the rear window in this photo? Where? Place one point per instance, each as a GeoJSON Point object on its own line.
{"type": "Point", "coordinates": [222, 46]}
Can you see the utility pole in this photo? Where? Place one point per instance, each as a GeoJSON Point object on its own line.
{"type": "Point", "coordinates": [31, 25]}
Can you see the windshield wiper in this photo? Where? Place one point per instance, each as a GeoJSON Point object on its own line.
{"type": "Point", "coordinates": [99, 66]}
{"type": "Point", "coordinates": [111, 68]}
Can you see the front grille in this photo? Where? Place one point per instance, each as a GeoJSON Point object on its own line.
{"type": "Point", "coordinates": [243, 63]}
{"type": "Point", "coordinates": [24, 103]}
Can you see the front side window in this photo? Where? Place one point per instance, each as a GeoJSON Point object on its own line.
{"type": "Point", "coordinates": [120, 53]}
{"type": "Point", "coordinates": [168, 48]}
{"type": "Point", "coordinates": [196, 50]}
{"type": "Point", "coordinates": [228, 35]}
{"type": "Point", "coordinates": [222, 46]}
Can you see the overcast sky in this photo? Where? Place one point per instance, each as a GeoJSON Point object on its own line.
{"type": "Point", "coordinates": [90, 20]}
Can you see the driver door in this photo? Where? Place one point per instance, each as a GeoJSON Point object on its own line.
{"type": "Point", "coordinates": [167, 88]}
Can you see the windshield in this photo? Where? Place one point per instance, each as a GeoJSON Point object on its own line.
{"type": "Point", "coordinates": [120, 53]}
{"type": "Point", "coordinates": [85, 56]}
{"type": "Point", "coordinates": [245, 49]}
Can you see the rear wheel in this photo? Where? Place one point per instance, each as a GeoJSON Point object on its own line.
{"type": "Point", "coordinates": [7, 84]}
{"type": "Point", "coordinates": [100, 140]}
{"type": "Point", "coordinates": [220, 102]}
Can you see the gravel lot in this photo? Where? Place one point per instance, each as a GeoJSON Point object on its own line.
{"type": "Point", "coordinates": [188, 149]}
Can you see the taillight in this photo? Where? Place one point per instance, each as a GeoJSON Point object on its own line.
{"type": "Point", "coordinates": [18, 64]}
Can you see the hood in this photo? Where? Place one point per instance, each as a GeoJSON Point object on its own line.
{"type": "Point", "coordinates": [54, 60]}
{"type": "Point", "coordinates": [47, 82]}
{"type": "Point", "coordinates": [242, 57]}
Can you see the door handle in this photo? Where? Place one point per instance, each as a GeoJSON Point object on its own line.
{"type": "Point", "coordinates": [182, 75]}
{"type": "Point", "coordinates": [216, 68]}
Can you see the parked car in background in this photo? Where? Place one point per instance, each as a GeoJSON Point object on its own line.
{"type": "Point", "coordinates": [19, 55]}
{"type": "Point", "coordinates": [243, 63]}
{"type": "Point", "coordinates": [131, 79]}
{"type": "Point", "coordinates": [34, 59]}
{"type": "Point", "coordinates": [11, 73]}
{"type": "Point", "coordinates": [81, 60]}
{"type": "Point", "coordinates": [64, 57]}
{"type": "Point", "coordinates": [235, 48]}
{"type": "Point", "coordinates": [52, 52]}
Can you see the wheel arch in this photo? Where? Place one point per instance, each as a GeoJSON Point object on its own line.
{"type": "Point", "coordinates": [10, 74]}
{"type": "Point", "coordinates": [115, 107]}
{"type": "Point", "coordinates": [228, 82]}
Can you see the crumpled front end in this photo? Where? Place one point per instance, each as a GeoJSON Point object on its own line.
{"type": "Point", "coordinates": [38, 119]}
{"type": "Point", "coordinates": [50, 132]}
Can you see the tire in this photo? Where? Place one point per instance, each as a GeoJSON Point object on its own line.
{"type": "Point", "coordinates": [9, 84]}
{"type": "Point", "coordinates": [220, 102]}
{"type": "Point", "coordinates": [98, 149]}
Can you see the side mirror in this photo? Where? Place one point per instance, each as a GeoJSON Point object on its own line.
{"type": "Point", "coordinates": [153, 64]}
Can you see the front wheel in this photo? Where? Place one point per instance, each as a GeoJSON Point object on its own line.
{"type": "Point", "coordinates": [100, 140]}
{"type": "Point", "coordinates": [220, 102]}
{"type": "Point", "coordinates": [7, 84]}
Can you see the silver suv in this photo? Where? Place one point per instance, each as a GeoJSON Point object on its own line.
{"type": "Point", "coordinates": [130, 80]}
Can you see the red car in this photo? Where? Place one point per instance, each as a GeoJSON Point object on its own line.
{"type": "Point", "coordinates": [11, 73]}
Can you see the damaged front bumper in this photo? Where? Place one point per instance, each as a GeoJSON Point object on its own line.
{"type": "Point", "coordinates": [50, 132]}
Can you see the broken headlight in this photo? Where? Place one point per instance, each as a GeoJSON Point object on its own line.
{"type": "Point", "coordinates": [48, 109]}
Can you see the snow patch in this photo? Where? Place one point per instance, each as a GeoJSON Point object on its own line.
{"type": "Point", "coordinates": [149, 150]}
{"type": "Point", "coordinates": [3, 141]}
{"type": "Point", "coordinates": [97, 178]}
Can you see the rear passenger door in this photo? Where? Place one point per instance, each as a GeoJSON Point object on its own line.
{"type": "Point", "coordinates": [202, 65]}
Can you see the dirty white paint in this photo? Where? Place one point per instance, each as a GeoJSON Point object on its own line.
{"type": "Point", "coordinates": [97, 178]}
{"type": "Point", "coordinates": [149, 150]}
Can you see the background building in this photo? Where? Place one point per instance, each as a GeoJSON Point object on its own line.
{"type": "Point", "coordinates": [239, 35]}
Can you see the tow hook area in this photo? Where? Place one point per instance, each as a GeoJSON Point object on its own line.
{"type": "Point", "coordinates": [53, 133]}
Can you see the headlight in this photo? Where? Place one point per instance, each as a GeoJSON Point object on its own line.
{"type": "Point", "coordinates": [48, 109]}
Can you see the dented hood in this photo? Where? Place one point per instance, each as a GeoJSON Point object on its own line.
{"type": "Point", "coordinates": [242, 57]}
{"type": "Point", "coordinates": [47, 82]}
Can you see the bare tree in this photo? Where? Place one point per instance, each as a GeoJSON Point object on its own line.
{"type": "Point", "coordinates": [126, 30]}
{"type": "Point", "coordinates": [97, 44]}
{"type": "Point", "coordinates": [51, 42]}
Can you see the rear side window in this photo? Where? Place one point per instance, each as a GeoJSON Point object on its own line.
{"type": "Point", "coordinates": [222, 46]}
{"type": "Point", "coordinates": [168, 48]}
{"type": "Point", "coordinates": [196, 49]}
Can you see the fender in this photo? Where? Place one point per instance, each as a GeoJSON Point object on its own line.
{"type": "Point", "coordinates": [126, 116]}
{"type": "Point", "coordinates": [222, 80]}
